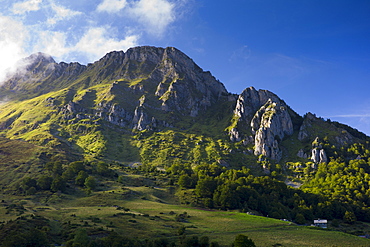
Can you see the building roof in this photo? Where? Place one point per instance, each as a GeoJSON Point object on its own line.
{"type": "Point", "coordinates": [320, 221]}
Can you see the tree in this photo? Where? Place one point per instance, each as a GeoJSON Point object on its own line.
{"type": "Point", "coordinates": [80, 239]}
{"type": "Point", "coordinates": [300, 219]}
{"type": "Point", "coordinates": [81, 177]}
{"type": "Point", "coordinates": [28, 183]}
{"type": "Point", "coordinates": [58, 184]}
{"type": "Point", "coordinates": [31, 191]}
{"type": "Point", "coordinates": [90, 183]}
{"type": "Point", "coordinates": [190, 241]}
{"type": "Point", "coordinates": [77, 166]}
{"type": "Point", "coordinates": [349, 217]}
{"type": "Point", "coordinates": [57, 169]}
{"type": "Point", "coordinates": [103, 170]}
{"type": "Point", "coordinates": [225, 197]}
{"type": "Point", "coordinates": [185, 181]}
{"type": "Point", "coordinates": [205, 187]}
{"type": "Point", "coordinates": [243, 241]}
{"type": "Point", "coordinates": [36, 238]}
{"type": "Point", "coordinates": [204, 241]}
{"type": "Point", "coordinates": [30, 237]}
{"type": "Point", "coordinates": [69, 173]}
{"type": "Point", "coordinates": [44, 182]}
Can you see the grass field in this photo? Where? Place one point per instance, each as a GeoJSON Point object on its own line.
{"type": "Point", "coordinates": [151, 219]}
{"type": "Point", "coordinates": [145, 210]}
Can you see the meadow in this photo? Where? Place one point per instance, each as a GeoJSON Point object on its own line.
{"type": "Point", "coordinates": [146, 212]}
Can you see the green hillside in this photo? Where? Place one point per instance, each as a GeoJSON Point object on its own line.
{"type": "Point", "coordinates": [118, 150]}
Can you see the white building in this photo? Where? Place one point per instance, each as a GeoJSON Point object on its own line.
{"type": "Point", "coordinates": [321, 223]}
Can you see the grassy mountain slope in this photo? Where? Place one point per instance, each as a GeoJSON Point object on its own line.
{"type": "Point", "coordinates": [154, 109]}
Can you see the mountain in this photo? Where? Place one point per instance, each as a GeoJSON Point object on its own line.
{"type": "Point", "coordinates": [94, 111]}
{"type": "Point", "coordinates": [72, 135]}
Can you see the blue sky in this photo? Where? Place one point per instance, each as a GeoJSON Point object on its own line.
{"type": "Point", "coordinates": [313, 54]}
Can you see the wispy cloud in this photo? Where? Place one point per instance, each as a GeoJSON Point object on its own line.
{"type": "Point", "coordinates": [26, 6]}
{"type": "Point", "coordinates": [242, 53]}
{"type": "Point", "coordinates": [154, 15]}
{"type": "Point", "coordinates": [111, 6]}
{"type": "Point", "coordinates": [97, 41]}
{"type": "Point", "coordinates": [94, 44]}
{"type": "Point", "coordinates": [61, 13]}
{"type": "Point", "coordinates": [53, 43]}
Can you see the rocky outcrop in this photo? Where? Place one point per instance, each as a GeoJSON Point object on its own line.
{"type": "Point", "coordinates": [183, 86]}
{"type": "Point", "coordinates": [115, 115]}
{"type": "Point", "coordinates": [268, 118]}
{"type": "Point", "coordinates": [250, 100]}
{"type": "Point", "coordinates": [344, 138]}
{"type": "Point", "coordinates": [234, 135]}
{"type": "Point", "coordinates": [302, 154]}
{"type": "Point", "coordinates": [140, 120]}
{"type": "Point", "coordinates": [308, 120]}
{"type": "Point", "coordinates": [319, 156]}
{"type": "Point", "coordinates": [270, 125]}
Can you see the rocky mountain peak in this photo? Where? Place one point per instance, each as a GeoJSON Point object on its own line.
{"type": "Point", "coordinates": [270, 125]}
{"type": "Point", "coordinates": [250, 100]}
{"type": "Point", "coordinates": [39, 57]}
{"type": "Point", "coordinates": [267, 116]}
{"type": "Point", "coordinates": [35, 63]}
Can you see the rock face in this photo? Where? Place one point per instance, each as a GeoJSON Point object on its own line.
{"type": "Point", "coordinates": [301, 154]}
{"type": "Point", "coordinates": [309, 119]}
{"type": "Point", "coordinates": [180, 85]}
{"type": "Point", "coordinates": [270, 124]}
{"type": "Point", "coordinates": [319, 156]}
{"type": "Point", "coordinates": [250, 100]}
{"type": "Point", "coordinates": [39, 74]}
{"type": "Point", "coordinates": [268, 119]}
{"type": "Point", "coordinates": [183, 86]}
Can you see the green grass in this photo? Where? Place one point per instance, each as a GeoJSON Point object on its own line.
{"type": "Point", "coordinates": [148, 209]}
{"type": "Point", "coordinates": [223, 226]}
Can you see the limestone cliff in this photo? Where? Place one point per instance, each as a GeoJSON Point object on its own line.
{"type": "Point", "coordinates": [268, 118]}
{"type": "Point", "coordinates": [270, 125]}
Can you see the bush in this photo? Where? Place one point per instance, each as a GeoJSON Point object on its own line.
{"type": "Point", "coordinates": [243, 241]}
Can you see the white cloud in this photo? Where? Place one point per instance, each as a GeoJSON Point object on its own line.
{"type": "Point", "coordinates": [241, 54]}
{"type": "Point", "coordinates": [12, 42]}
{"type": "Point", "coordinates": [111, 6]}
{"type": "Point", "coordinates": [26, 6]}
{"type": "Point", "coordinates": [61, 13]}
{"type": "Point", "coordinates": [19, 38]}
{"type": "Point", "coordinates": [93, 44]}
{"type": "Point", "coordinates": [52, 43]}
{"type": "Point", "coordinates": [155, 15]}
{"type": "Point", "coordinates": [96, 42]}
